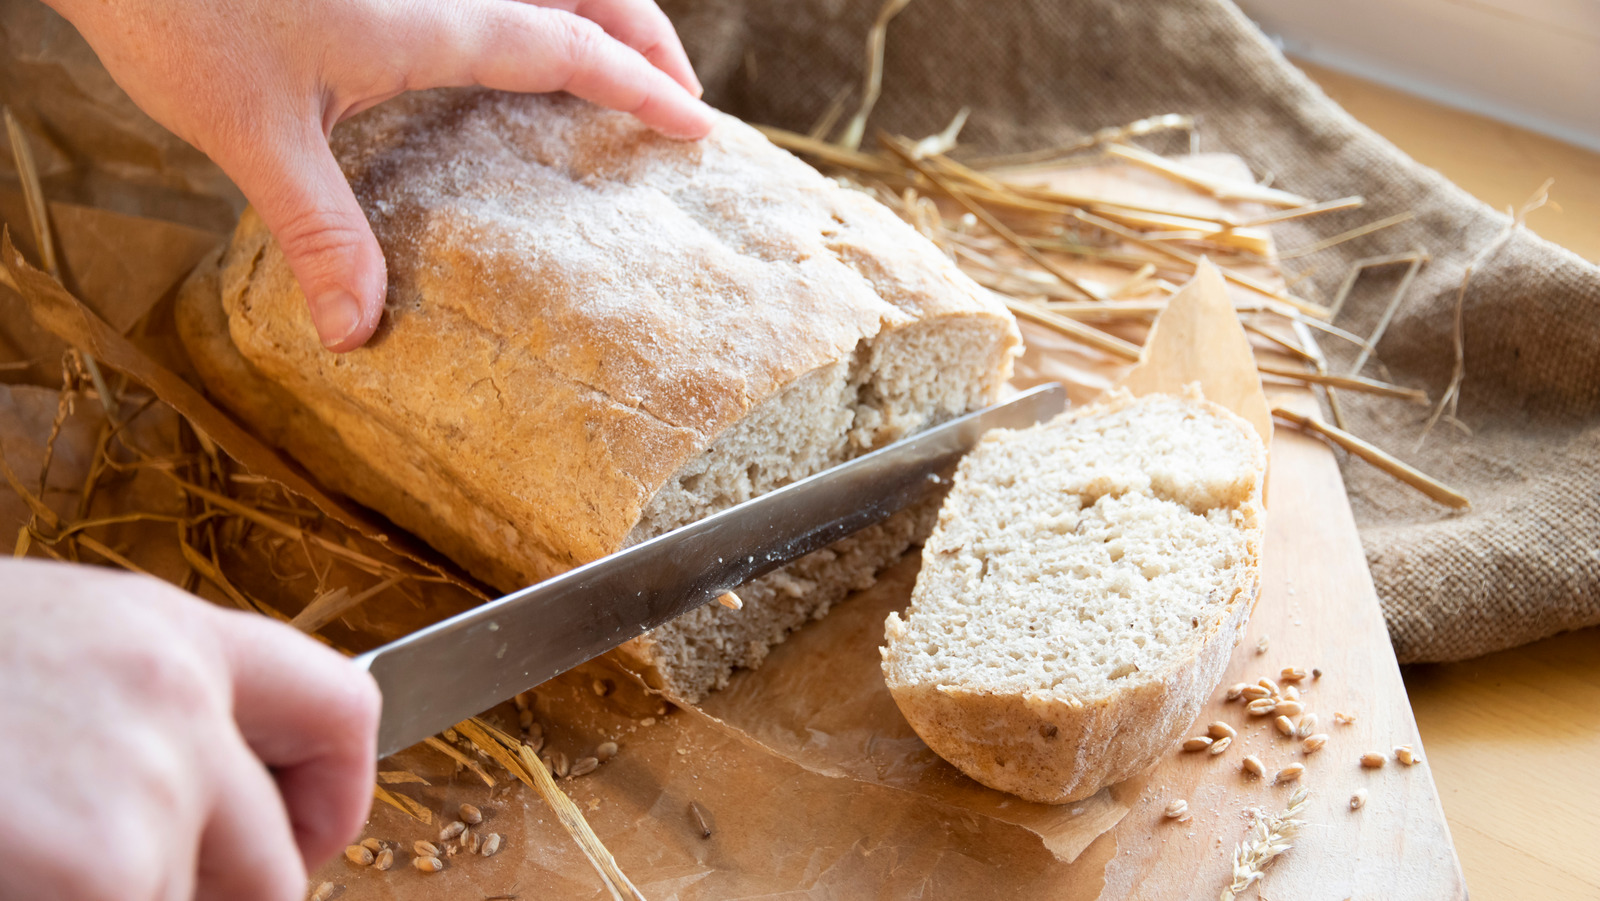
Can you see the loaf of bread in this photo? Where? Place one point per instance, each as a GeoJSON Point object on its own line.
{"type": "Point", "coordinates": [594, 335]}
{"type": "Point", "coordinates": [1081, 593]}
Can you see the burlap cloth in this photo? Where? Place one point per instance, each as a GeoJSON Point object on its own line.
{"type": "Point", "coordinates": [1524, 563]}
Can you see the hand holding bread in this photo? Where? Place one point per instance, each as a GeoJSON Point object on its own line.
{"type": "Point", "coordinates": [257, 86]}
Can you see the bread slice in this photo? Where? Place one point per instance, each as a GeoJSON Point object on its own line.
{"type": "Point", "coordinates": [594, 335]}
{"type": "Point", "coordinates": [1081, 593]}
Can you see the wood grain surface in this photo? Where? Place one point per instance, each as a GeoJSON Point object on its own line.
{"type": "Point", "coordinates": [1513, 737]}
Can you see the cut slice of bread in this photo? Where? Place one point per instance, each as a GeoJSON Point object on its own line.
{"type": "Point", "coordinates": [1081, 593]}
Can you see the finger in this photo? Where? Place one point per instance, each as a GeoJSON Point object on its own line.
{"type": "Point", "coordinates": [531, 49]}
{"type": "Point", "coordinates": [247, 850]}
{"type": "Point", "coordinates": [312, 717]}
{"type": "Point", "coordinates": [641, 25]}
{"type": "Point", "coordinates": [295, 185]}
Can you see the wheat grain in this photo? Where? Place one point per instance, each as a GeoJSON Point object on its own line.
{"type": "Point", "coordinates": [1261, 707]}
{"type": "Point", "coordinates": [491, 845]}
{"type": "Point", "coordinates": [1291, 674]}
{"type": "Point", "coordinates": [471, 815]}
{"type": "Point", "coordinates": [1359, 799]}
{"type": "Point", "coordinates": [384, 860]}
{"type": "Point", "coordinates": [605, 751]}
{"type": "Point", "coordinates": [1198, 743]}
{"type": "Point", "coordinates": [584, 766]}
{"type": "Point", "coordinates": [1290, 708]}
{"type": "Point", "coordinates": [451, 831]}
{"type": "Point", "coordinates": [1373, 760]}
{"type": "Point", "coordinates": [1405, 755]}
{"type": "Point", "coordinates": [1220, 729]}
{"type": "Point", "coordinates": [372, 844]}
{"type": "Point", "coordinates": [1284, 725]}
{"type": "Point", "coordinates": [1254, 693]}
{"type": "Point", "coordinates": [323, 892]}
{"type": "Point", "coordinates": [1253, 765]}
{"type": "Point", "coordinates": [1176, 809]}
{"type": "Point", "coordinates": [1290, 773]}
{"type": "Point", "coordinates": [1311, 744]}
{"type": "Point", "coordinates": [1262, 644]}
{"type": "Point", "coordinates": [1307, 725]}
{"type": "Point", "coordinates": [428, 864]}
{"type": "Point", "coordinates": [422, 848]}
{"type": "Point", "coordinates": [358, 855]}
{"type": "Point", "coordinates": [1236, 691]}
{"type": "Point", "coordinates": [1220, 745]}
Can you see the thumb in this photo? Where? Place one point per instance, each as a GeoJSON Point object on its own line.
{"type": "Point", "coordinates": [307, 204]}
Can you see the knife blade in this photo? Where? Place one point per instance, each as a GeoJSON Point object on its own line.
{"type": "Point", "coordinates": [463, 665]}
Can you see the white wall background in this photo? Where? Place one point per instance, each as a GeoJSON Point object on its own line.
{"type": "Point", "coordinates": [1533, 63]}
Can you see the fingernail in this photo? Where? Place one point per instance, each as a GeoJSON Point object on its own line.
{"type": "Point", "coordinates": [338, 316]}
{"type": "Point", "coordinates": [699, 90]}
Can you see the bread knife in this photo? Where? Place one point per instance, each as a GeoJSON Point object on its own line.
{"type": "Point", "coordinates": [463, 665]}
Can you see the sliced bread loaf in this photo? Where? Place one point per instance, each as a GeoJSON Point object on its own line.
{"type": "Point", "coordinates": [594, 335]}
{"type": "Point", "coordinates": [1081, 593]}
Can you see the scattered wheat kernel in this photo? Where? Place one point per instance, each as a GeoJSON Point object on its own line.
{"type": "Point", "coordinates": [1290, 708]}
{"type": "Point", "coordinates": [1236, 690]}
{"type": "Point", "coordinates": [465, 839]}
{"type": "Point", "coordinates": [1308, 725]}
{"type": "Point", "coordinates": [358, 855]}
{"type": "Point", "coordinates": [384, 860]}
{"type": "Point", "coordinates": [1311, 744]}
{"type": "Point", "coordinates": [1255, 693]}
{"type": "Point", "coordinates": [1261, 645]}
{"type": "Point", "coordinates": [1261, 707]}
{"type": "Point", "coordinates": [1268, 684]}
{"type": "Point", "coordinates": [1253, 765]}
{"type": "Point", "coordinates": [1219, 729]}
{"type": "Point", "coordinates": [1284, 725]}
{"type": "Point", "coordinates": [428, 864]}
{"type": "Point", "coordinates": [535, 739]}
{"type": "Point", "coordinates": [372, 844]}
{"type": "Point", "coordinates": [525, 719]}
{"type": "Point", "coordinates": [1405, 755]}
{"type": "Point", "coordinates": [561, 765]}
{"type": "Point", "coordinates": [491, 844]}
{"type": "Point", "coordinates": [323, 892]}
{"type": "Point", "coordinates": [424, 848]}
{"type": "Point", "coordinates": [451, 831]}
{"type": "Point", "coordinates": [1176, 809]}
{"type": "Point", "coordinates": [1291, 693]}
{"type": "Point", "coordinates": [585, 766]}
{"type": "Point", "coordinates": [470, 815]}
{"type": "Point", "coordinates": [1198, 743]}
{"type": "Point", "coordinates": [1220, 745]}
{"type": "Point", "coordinates": [1372, 760]}
{"type": "Point", "coordinates": [1291, 674]}
{"type": "Point", "coordinates": [602, 687]}
{"type": "Point", "coordinates": [648, 721]}
{"type": "Point", "coordinates": [536, 731]}
{"type": "Point", "coordinates": [1316, 672]}
{"type": "Point", "coordinates": [731, 601]}
{"type": "Point", "coordinates": [1291, 772]}
{"type": "Point", "coordinates": [1342, 718]}
{"type": "Point", "coordinates": [1359, 799]}
{"type": "Point", "coordinates": [606, 751]}
{"type": "Point", "coordinates": [524, 700]}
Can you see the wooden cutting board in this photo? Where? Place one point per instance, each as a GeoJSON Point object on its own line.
{"type": "Point", "coordinates": [1317, 610]}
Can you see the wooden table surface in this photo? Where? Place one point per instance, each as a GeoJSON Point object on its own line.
{"type": "Point", "coordinates": [1513, 738]}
